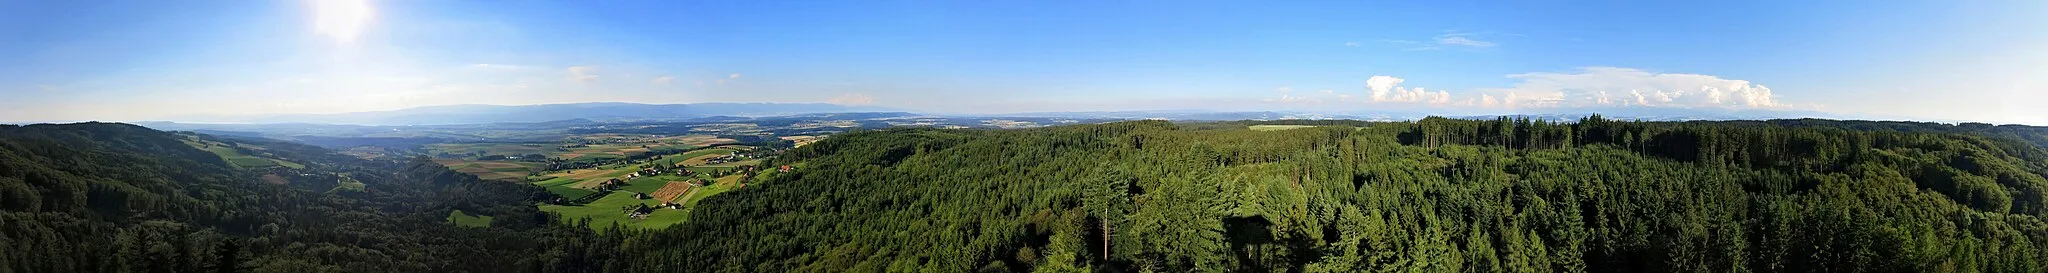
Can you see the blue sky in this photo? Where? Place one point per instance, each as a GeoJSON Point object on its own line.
{"type": "Point", "coordinates": [143, 60]}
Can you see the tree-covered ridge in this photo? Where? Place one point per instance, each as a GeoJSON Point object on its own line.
{"type": "Point", "coordinates": [99, 197]}
{"type": "Point", "coordinates": [1437, 195]}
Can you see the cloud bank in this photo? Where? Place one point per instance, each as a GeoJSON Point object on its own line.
{"type": "Point", "coordinates": [1614, 86]}
{"type": "Point", "coordinates": [1584, 87]}
{"type": "Point", "coordinates": [1388, 89]}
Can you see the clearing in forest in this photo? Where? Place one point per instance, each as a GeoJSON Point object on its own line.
{"type": "Point", "coordinates": [227, 152]}
{"type": "Point", "coordinates": [1278, 127]}
{"type": "Point", "coordinates": [610, 209]}
{"type": "Point", "coordinates": [464, 219]}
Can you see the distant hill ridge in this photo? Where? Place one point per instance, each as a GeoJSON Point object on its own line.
{"type": "Point", "coordinates": [597, 111]}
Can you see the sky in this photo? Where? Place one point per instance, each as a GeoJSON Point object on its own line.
{"type": "Point", "coordinates": [167, 60]}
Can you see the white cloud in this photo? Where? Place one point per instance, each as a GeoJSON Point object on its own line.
{"type": "Point", "coordinates": [663, 80]}
{"type": "Point", "coordinates": [1379, 86]}
{"type": "Point", "coordinates": [1350, 43]}
{"type": "Point", "coordinates": [850, 99]}
{"type": "Point", "coordinates": [1461, 39]}
{"type": "Point", "coordinates": [733, 76]}
{"type": "Point", "coordinates": [1598, 86]}
{"type": "Point", "coordinates": [582, 73]}
{"type": "Point", "coordinates": [1588, 87]}
{"type": "Point", "coordinates": [1388, 89]}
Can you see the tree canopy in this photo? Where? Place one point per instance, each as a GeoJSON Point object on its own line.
{"type": "Point", "coordinates": [1434, 195]}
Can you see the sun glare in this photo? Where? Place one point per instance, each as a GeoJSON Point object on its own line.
{"type": "Point", "coordinates": [340, 19]}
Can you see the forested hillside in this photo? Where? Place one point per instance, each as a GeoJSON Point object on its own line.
{"type": "Point", "coordinates": [1438, 195]}
{"type": "Point", "coordinates": [97, 197]}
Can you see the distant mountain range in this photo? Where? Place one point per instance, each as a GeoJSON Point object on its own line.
{"type": "Point", "coordinates": [612, 112]}
{"type": "Point", "coordinates": [596, 111]}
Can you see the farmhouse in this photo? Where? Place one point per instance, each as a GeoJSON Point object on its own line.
{"type": "Point", "coordinates": [640, 212]}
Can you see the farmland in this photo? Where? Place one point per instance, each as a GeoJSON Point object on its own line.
{"type": "Point", "coordinates": [695, 158]}
{"type": "Point", "coordinates": [800, 141]}
{"type": "Point", "coordinates": [484, 149]}
{"type": "Point", "coordinates": [564, 187]}
{"type": "Point", "coordinates": [649, 184]}
{"type": "Point", "coordinates": [610, 210]}
{"type": "Point", "coordinates": [494, 170]}
{"type": "Point", "coordinates": [721, 185]}
{"type": "Point", "coordinates": [518, 161]}
{"type": "Point", "coordinates": [673, 190]}
{"type": "Point", "coordinates": [612, 207]}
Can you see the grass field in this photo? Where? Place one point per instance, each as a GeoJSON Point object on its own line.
{"type": "Point", "coordinates": [564, 187]}
{"type": "Point", "coordinates": [587, 178]}
{"type": "Point", "coordinates": [249, 161]}
{"type": "Point", "coordinates": [604, 175]}
{"type": "Point", "coordinates": [737, 164]}
{"type": "Point", "coordinates": [464, 219]}
{"type": "Point", "coordinates": [605, 211]}
{"type": "Point", "coordinates": [238, 159]}
{"type": "Point", "coordinates": [650, 184]}
{"type": "Point", "coordinates": [707, 169]}
{"type": "Point", "coordinates": [590, 156]}
{"type": "Point", "coordinates": [1277, 127]}
{"type": "Point", "coordinates": [594, 152]}
{"type": "Point", "coordinates": [721, 185]}
{"type": "Point", "coordinates": [494, 170]}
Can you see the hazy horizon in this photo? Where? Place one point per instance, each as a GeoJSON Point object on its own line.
{"type": "Point", "coordinates": [1919, 60]}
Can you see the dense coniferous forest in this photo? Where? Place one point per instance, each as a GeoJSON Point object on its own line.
{"type": "Point", "coordinates": [1438, 195]}
{"type": "Point", "coordinates": [1435, 195]}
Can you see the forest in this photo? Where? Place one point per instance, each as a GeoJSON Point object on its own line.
{"type": "Point", "coordinates": [104, 197]}
{"type": "Point", "coordinates": [1434, 195]}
